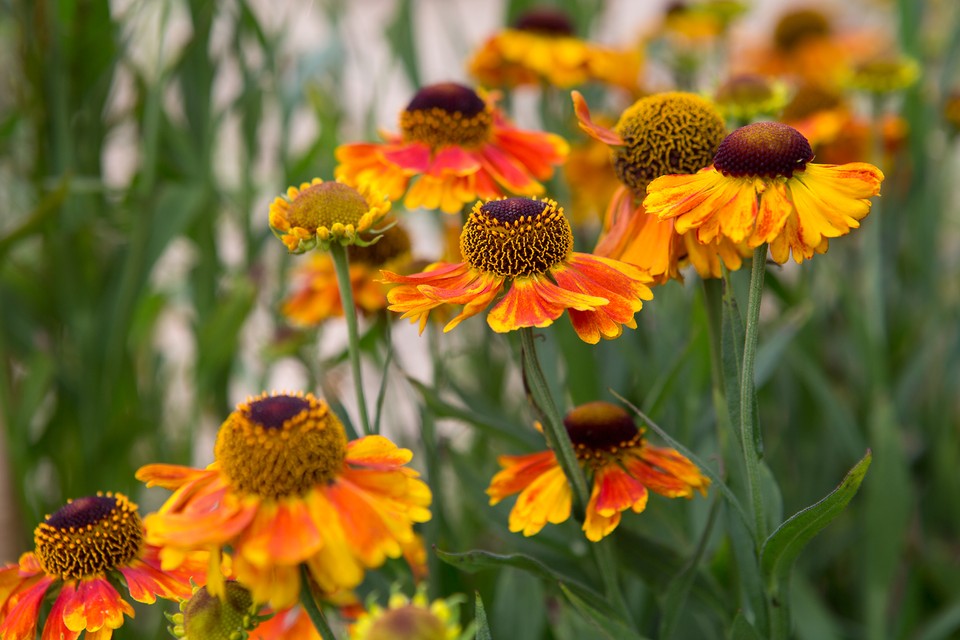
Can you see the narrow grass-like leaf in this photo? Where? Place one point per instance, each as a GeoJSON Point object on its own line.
{"type": "Point", "coordinates": [743, 630]}
{"type": "Point", "coordinates": [480, 615]}
{"type": "Point", "coordinates": [610, 628]}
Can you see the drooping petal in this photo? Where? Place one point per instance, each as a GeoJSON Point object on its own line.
{"type": "Point", "coordinates": [546, 499]}
{"type": "Point", "coordinates": [595, 131]}
{"type": "Point", "coordinates": [614, 491]}
{"type": "Point", "coordinates": [518, 472]}
{"type": "Point", "coordinates": [282, 532]}
{"type": "Point", "coordinates": [91, 604]}
{"type": "Point", "coordinates": [639, 238]}
{"type": "Point", "coordinates": [534, 301]}
{"type": "Point", "coordinates": [22, 610]}
{"type": "Point", "coordinates": [275, 584]}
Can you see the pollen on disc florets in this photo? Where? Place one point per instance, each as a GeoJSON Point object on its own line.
{"type": "Point", "coordinates": [599, 428]}
{"type": "Point", "coordinates": [663, 134]}
{"type": "Point", "coordinates": [447, 114]}
{"type": "Point", "coordinates": [281, 445]}
{"type": "Point", "coordinates": [393, 243]}
{"type": "Point", "coordinates": [89, 536]}
{"type": "Point", "coordinates": [325, 204]}
{"type": "Point", "coordinates": [763, 149]}
{"type": "Point", "coordinates": [516, 237]}
{"type": "Point", "coordinates": [545, 21]}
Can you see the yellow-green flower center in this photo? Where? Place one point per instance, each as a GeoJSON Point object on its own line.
{"type": "Point", "coordinates": [885, 75]}
{"type": "Point", "coordinates": [393, 243]}
{"type": "Point", "coordinates": [325, 204]}
{"type": "Point", "coordinates": [599, 428]}
{"type": "Point", "coordinates": [207, 617]}
{"type": "Point", "coordinates": [808, 99]}
{"type": "Point", "coordinates": [797, 27]}
{"type": "Point", "coordinates": [516, 236]}
{"type": "Point", "coordinates": [89, 536]}
{"type": "Point", "coordinates": [408, 622]}
{"type": "Point", "coordinates": [447, 114]}
{"type": "Point", "coordinates": [663, 134]}
{"type": "Point", "coordinates": [763, 149]}
{"type": "Point", "coordinates": [545, 21]}
{"type": "Point", "coordinates": [282, 445]}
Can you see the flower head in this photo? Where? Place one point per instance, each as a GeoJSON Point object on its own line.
{"type": "Point", "coordinates": [661, 134]}
{"type": "Point", "coordinates": [621, 466]}
{"type": "Point", "coordinates": [87, 550]}
{"type": "Point", "coordinates": [454, 147]}
{"type": "Point", "coordinates": [316, 296]}
{"type": "Point", "coordinates": [525, 246]}
{"type": "Point", "coordinates": [541, 47]}
{"type": "Point", "coordinates": [409, 619]}
{"type": "Point", "coordinates": [287, 488]}
{"type": "Point", "coordinates": [206, 617]}
{"type": "Point", "coordinates": [319, 213]}
{"type": "Point", "coordinates": [763, 188]}
{"type": "Point", "coordinates": [885, 74]}
{"type": "Point", "coordinates": [747, 96]}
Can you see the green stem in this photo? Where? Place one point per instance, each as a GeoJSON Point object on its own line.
{"type": "Point", "coordinates": [751, 456]}
{"type": "Point", "coordinates": [342, 266]}
{"type": "Point", "coordinates": [606, 556]}
{"type": "Point", "coordinates": [312, 608]}
{"type": "Point", "coordinates": [873, 258]}
{"type": "Point", "coordinates": [553, 429]}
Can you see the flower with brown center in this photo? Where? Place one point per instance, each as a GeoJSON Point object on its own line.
{"type": "Point", "coordinates": [621, 466]}
{"type": "Point", "coordinates": [541, 47]}
{"type": "Point", "coordinates": [319, 213]}
{"type": "Point", "coordinates": [763, 188]}
{"type": "Point", "coordinates": [525, 246]}
{"type": "Point", "coordinates": [80, 552]}
{"type": "Point", "coordinates": [409, 619]}
{"type": "Point", "coordinates": [287, 488]}
{"type": "Point", "coordinates": [660, 134]}
{"type": "Point", "coordinates": [454, 147]}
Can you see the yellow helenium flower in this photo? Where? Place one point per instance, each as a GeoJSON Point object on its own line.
{"type": "Point", "coordinates": [286, 488]}
{"type": "Point", "coordinates": [541, 47]}
{"type": "Point", "coordinates": [660, 134]}
{"type": "Point", "coordinates": [319, 213]}
{"type": "Point", "coordinates": [621, 466]}
{"type": "Point", "coordinates": [762, 188]}
{"type": "Point", "coordinates": [525, 247]}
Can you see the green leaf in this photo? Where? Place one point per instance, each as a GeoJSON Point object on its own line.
{"type": "Point", "coordinates": [479, 560]}
{"type": "Point", "coordinates": [784, 545]}
{"type": "Point", "coordinates": [742, 629]}
{"type": "Point", "coordinates": [611, 628]}
{"type": "Point", "coordinates": [519, 605]}
{"type": "Point", "coordinates": [401, 38]}
{"type": "Point", "coordinates": [480, 615]}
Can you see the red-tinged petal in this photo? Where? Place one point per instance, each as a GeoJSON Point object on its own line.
{"type": "Point", "coordinates": [639, 238]}
{"type": "Point", "coordinates": [616, 490]}
{"type": "Point", "coordinates": [146, 579]}
{"type": "Point", "coordinates": [399, 493]}
{"type": "Point", "coordinates": [93, 604]}
{"type": "Point", "coordinates": [376, 452]}
{"type": "Point", "coordinates": [434, 274]}
{"type": "Point", "coordinates": [20, 620]}
{"type": "Point", "coordinates": [538, 152]}
{"type": "Point", "coordinates": [587, 124]}
{"type": "Point", "coordinates": [774, 210]}
{"type": "Point", "coordinates": [534, 301]}
{"type": "Point", "coordinates": [453, 160]}
{"type": "Point", "coordinates": [509, 172]}
{"type": "Point", "coordinates": [546, 499]}
{"type": "Point", "coordinates": [55, 627]}
{"type": "Point", "coordinates": [518, 472]}
{"type": "Point", "coordinates": [366, 531]}
{"type": "Point", "coordinates": [211, 519]}
{"type": "Point", "coordinates": [283, 532]}
{"type": "Point", "coordinates": [335, 566]}
{"type": "Point", "coordinates": [677, 465]}
{"type": "Point", "coordinates": [693, 198]}
{"type": "Point", "coordinates": [413, 157]}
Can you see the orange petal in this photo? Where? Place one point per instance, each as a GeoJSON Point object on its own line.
{"type": "Point", "coordinates": [518, 472]}
{"type": "Point", "coordinates": [534, 301]}
{"type": "Point", "coordinates": [546, 499]}
{"type": "Point", "coordinates": [20, 621]}
{"type": "Point", "coordinates": [92, 604]}
{"type": "Point", "coordinates": [282, 532]}
{"type": "Point", "coordinates": [376, 452]}
{"type": "Point", "coordinates": [587, 124]}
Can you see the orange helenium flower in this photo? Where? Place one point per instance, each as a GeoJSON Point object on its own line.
{"type": "Point", "coordinates": [454, 147]}
{"type": "Point", "coordinates": [661, 134]}
{"type": "Point", "coordinates": [621, 465]}
{"type": "Point", "coordinates": [762, 188]}
{"type": "Point", "coordinates": [525, 246]}
{"type": "Point", "coordinates": [541, 47]}
{"type": "Point", "coordinates": [287, 488]}
{"type": "Point", "coordinates": [81, 550]}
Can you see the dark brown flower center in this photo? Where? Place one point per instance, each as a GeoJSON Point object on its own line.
{"type": "Point", "coordinates": [763, 149]}
{"type": "Point", "coordinates": [516, 236]}
{"type": "Point", "coordinates": [447, 114]}
{"type": "Point", "coordinates": [89, 536]}
{"type": "Point", "coordinates": [281, 445]}
{"type": "Point", "coordinates": [546, 21]}
{"type": "Point", "coordinates": [598, 428]}
{"type": "Point", "coordinates": [799, 26]}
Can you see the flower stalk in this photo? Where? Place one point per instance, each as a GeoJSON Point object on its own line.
{"type": "Point", "coordinates": [311, 607]}
{"type": "Point", "coordinates": [749, 440]}
{"type": "Point", "coordinates": [342, 267]}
